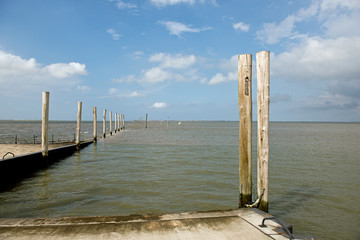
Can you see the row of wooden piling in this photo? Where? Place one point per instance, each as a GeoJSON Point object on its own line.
{"type": "Point", "coordinates": [119, 123]}
{"type": "Point", "coordinates": [245, 128]}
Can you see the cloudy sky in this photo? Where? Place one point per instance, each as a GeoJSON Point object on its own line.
{"type": "Point", "coordinates": [177, 59]}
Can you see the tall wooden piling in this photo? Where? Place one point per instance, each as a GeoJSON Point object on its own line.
{"type": "Point", "coordinates": [245, 128]}
{"type": "Point", "coordinates": [263, 99]}
{"type": "Point", "coordinates": [104, 124]}
{"type": "Point", "coordinates": [115, 122]}
{"type": "Point", "coordinates": [78, 126]}
{"type": "Point", "coordinates": [94, 124]}
{"type": "Point", "coordinates": [146, 120]}
{"type": "Point", "coordinates": [45, 124]}
{"type": "Point", "coordinates": [110, 121]}
{"type": "Point", "coordinates": [118, 122]}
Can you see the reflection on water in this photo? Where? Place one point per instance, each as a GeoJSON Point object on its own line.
{"type": "Point", "coordinates": [314, 180]}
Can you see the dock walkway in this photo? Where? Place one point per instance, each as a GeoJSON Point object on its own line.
{"type": "Point", "coordinates": [231, 224]}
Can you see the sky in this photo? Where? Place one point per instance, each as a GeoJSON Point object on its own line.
{"type": "Point", "coordinates": [177, 59]}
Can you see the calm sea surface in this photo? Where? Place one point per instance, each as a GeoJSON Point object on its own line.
{"type": "Point", "coordinates": [192, 166]}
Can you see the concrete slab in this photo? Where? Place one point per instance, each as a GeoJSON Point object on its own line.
{"type": "Point", "coordinates": [231, 224]}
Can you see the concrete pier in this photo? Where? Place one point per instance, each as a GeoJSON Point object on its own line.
{"type": "Point", "coordinates": [231, 224]}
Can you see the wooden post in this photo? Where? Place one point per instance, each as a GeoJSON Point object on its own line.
{"type": "Point", "coordinates": [94, 124]}
{"type": "Point", "coordinates": [78, 126]}
{"type": "Point", "coordinates": [104, 124]}
{"type": "Point", "coordinates": [119, 122]}
{"type": "Point", "coordinates": [124, 121]}
{"type": "Point", "coordinates": [263, 99]}
{"type": "Point", "coordinates": [245, 128]}
{"type": "Point", "coordinates": [115, 122]}
{"type": "Point", "coordinates": [146, 120]}
{"type": "Point", "coordinates": [110, 121]}
{"type": "Point", "coordinates": [45, 124]}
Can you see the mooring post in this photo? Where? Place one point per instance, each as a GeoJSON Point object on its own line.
{"type": "Point", "coordinates": [146, 120]}
{"type": "Point", "coordinates": [124, 121]}
{"type": "Point", "coordinates": [104, 124]}
{"type": "Point", "coordinates": [78, 126]}
{"type": "Point", "coordinates": [263, 99]}
{"type": "Point", "coordinates": [119, 128]}
{"type": "Point", "coordinates": [45, 124]}
{"type": "Point", "coordinates": [245, 128]}
{"type": "Point", "coordinates": [115, 122]}
{"type": "Point", "coordinates": [94, 124]}
{"type": "Point", "coordinates": [110, 121]}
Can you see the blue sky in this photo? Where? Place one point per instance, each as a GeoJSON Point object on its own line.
{"type": "Point", "coordinates": [177, 59]}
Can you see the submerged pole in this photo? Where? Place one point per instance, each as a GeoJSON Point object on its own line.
{"type": "Point", "coordinates": [104, 124]}
{"type": "Point", "coordinates": [94, 124]}
{"type": "Point", "coordinates": [45, 124]}
{"type": "Point", "coordinates": [263, 99]}
{"type": "Point", "coordinates": [245, 128]}
{"type": "Point", "coordinates": [78, 126]}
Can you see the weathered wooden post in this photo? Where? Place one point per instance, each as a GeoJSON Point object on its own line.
{"type": "Point", "coordinates": [119, 122]}
{"type": "Point", "coordinates": [146, 120]}
{"type": "Point", "coordinates": [94, 124]}
{"type": "Point", "coordinates": [263, 99]}
{"type": "Point", "coordinates": [245, 128]}
{"type": "Point", "coordinates": [115, 122]}
{"type": "Point", "coordinates": [124, 121]}
{"type": "Point", "coordinates": [110, 121]}
{"type": "Point", "coordinates": [78, 126]}
{"type": "Point", "coordinates": [45, 124]}
{"type": "Point", "coordinates": [104, 124]}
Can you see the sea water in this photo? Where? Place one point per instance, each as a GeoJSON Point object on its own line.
{"type": "Point", "coordinates": [193, 166]}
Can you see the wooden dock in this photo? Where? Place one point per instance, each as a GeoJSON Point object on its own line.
{"type": "Point", "coordinates": [230, 224]}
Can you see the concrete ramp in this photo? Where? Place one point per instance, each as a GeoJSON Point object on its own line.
{"type": "Point", "coordinates": [231, 224]}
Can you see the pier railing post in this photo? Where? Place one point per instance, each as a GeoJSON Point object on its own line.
{"type": "Point", "coordinates": [94, 124]}
{"type": "Point", "coordinates": [110, 121]}
{"type": "Point", "coordinates": [78, 126]}
{"type": "Point", "coordinates": [45, 124]}
{"type": "Point", "coordinates": [245, 128]}
{"type": "Point", "coordinates": [104, 124]}
{"type": "Point", "coordinates": [263, 99]}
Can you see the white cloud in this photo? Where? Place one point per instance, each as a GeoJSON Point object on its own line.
{"type": "Point", "coordinates": [163, 3]}
{"type": "Point", "coordinates": [319, 59]}
{"type": "Point", "coordinates": [114, 92]}
{"type": "Point", "coordinates": [125, 79]}
{"type": "Point", "coordinates": [221, 78]}
{"type": "Point", "coordinates": [240, 26]}
{"type": "Point", "coordinates": [17, 74]}
{"type": "Point", "coordinates": [113, 33]}
{"type": "Point", "coordinates": [159, 105]}
{"type": "Point", "coordinates": [123, 5]}
{"type": "Point", "coordinates": [65, 70]}
{"type": "Point", "coordinates": [83, 88]}
{"type": "Point", "coordinates": [155, 75]}
{"type": "Point", "coordinates": [12, 66]}
{"type": "Point", "coordinates": [177, 61]}
{"type": "Point", "coordinates": [176, 28]}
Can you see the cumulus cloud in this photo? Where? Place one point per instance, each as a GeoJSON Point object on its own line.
{"type": "Point", "coordinates": [159, 105]}
{"type": "Point", "coordinates": [83, 88]}
{"type": "Point", "coordinates": [221, 78]}
{"type": "Point", "coordinates": [114, 92]}
{"type": "Point", "coordinates": [176, 28]}
{"type": "Point", "coordinates": [17, 73]}
{"type": "Point", "coordinates": [229, 65]}
{"type": "Point", "coordinates": [177, 61]}
{"type": "Point", "coordinates": [155, 75]}
{"type": "Point", "coordinates": [113, 33]}
{"type": "Point", "coordinates": [240, 26]}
